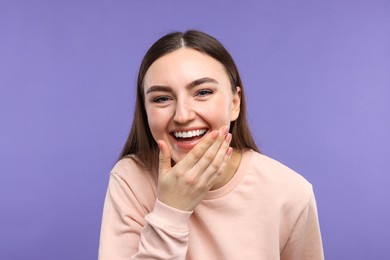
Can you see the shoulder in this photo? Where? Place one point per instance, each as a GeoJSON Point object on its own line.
{"type": "Point", "coordinates": [127, 174]}
{"type": "Point", "coordinates": [128, 169]}
{"type": "Point", "coordinates": [276, 170]}
{"type": "Point", "coordinates": [285, 183]}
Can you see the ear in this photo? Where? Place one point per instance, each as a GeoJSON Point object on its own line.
{"type": "Point", "coordinates": [235, 112]}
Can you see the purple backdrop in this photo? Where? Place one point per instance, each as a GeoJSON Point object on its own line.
{"type": "Point", "coordinates": [317, 77]}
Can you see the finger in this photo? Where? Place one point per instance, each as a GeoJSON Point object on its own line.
{"type": "Point", "coordinates": [195, 162]}
{"type": "Point", "coordinates": [196, 153]}
{"type": "Point", "coordinates": [164, 157]}
{"type": "Point", "coordinates": [199, 150]}
{"type": "Point", "coordinates": [213, 167]}
{"type": "Point", "coordinates": [214, 149]}
{"type": "Point", "coordinates": [213, 178]}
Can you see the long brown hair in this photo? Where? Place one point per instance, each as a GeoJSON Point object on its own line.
{"type": "Point", "coordinates": [140, 143]}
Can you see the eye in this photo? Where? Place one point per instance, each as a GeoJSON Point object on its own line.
{"type": "Point", "coordinates": [160, 99]}
{"type": "Point", "coordinates": [204, 92]}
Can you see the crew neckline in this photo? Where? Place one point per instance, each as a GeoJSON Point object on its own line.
{"type": "Point", "coordinates": [235, 180]}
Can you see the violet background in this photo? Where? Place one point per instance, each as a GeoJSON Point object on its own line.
{"type": "Point", "coordinates": [317, 78]}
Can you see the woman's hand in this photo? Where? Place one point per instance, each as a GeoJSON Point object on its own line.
{"type": "Point", "coordinates": [185, 185]}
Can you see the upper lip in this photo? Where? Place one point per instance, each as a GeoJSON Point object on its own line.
{"type": "Point", "coordinates": [188, 130]}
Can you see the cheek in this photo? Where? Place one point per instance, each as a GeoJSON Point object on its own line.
{"type": "Point", "coordinates": [223, 105]}
{"type": "Point", "coordinates": [157, 120]}
{"type": "Point", "coordinates": [217, 113]}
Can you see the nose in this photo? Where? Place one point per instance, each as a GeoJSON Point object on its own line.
{"type": "Point", "coordinates": [184, 112]}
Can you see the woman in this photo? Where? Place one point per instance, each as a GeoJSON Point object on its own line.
{"type": "Point", "coordinates": [190, 182]}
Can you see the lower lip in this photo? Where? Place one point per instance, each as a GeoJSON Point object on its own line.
{"type": "Point", "coordinates": [186, 145]}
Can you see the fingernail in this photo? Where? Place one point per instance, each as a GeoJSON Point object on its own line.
{"type": "Point", "coordinates": [225, 130]}
{"type": "Point", "coordinates": [229, 151]}
{"type": "Point", "coordinates": [159, 144]}
{"type": "Point", "coordinates": [228, 137]}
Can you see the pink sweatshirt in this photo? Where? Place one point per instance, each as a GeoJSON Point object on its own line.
{"type": "Point", "coordinates": [266, 211]}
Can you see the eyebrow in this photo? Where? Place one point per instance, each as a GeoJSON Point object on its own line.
{"type": "Point", "coordinates": [202, 81]}
{"type": "Point", "coordinates": [193, 84]}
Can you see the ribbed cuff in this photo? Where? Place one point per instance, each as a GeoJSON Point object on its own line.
{"type": "Point", "coordinates": [167, 217]}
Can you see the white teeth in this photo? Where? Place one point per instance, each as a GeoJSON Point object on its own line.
{"type": "Point", "coordinates": [189, 134]}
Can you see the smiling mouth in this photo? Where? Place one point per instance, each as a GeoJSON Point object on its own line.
{"type": "Point", "coordinates": [189, 135]}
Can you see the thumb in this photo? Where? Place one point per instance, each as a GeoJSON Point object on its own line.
{"type": "Point", "coordinates": [164, 157]}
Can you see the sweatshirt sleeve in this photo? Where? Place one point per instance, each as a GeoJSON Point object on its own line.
{"type": "Point", "coordinates": [305, 239]}
{"type": "Point", "coordinates": [135, 225]}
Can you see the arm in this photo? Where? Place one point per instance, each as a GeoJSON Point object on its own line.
{"type": "Point", "coordinates": [305, 239]}
{"type": "Point", "coordinates": [129, 232]}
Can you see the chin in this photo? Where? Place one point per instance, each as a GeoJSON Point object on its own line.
{"type": "Point", "coordinates": [178, 158]}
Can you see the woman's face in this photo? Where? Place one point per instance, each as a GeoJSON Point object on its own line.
{"type": "Point", "coordinates": [188, 94]}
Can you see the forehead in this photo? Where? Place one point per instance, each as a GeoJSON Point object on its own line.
{"type": "Point", "coordinates": [182, 66]}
